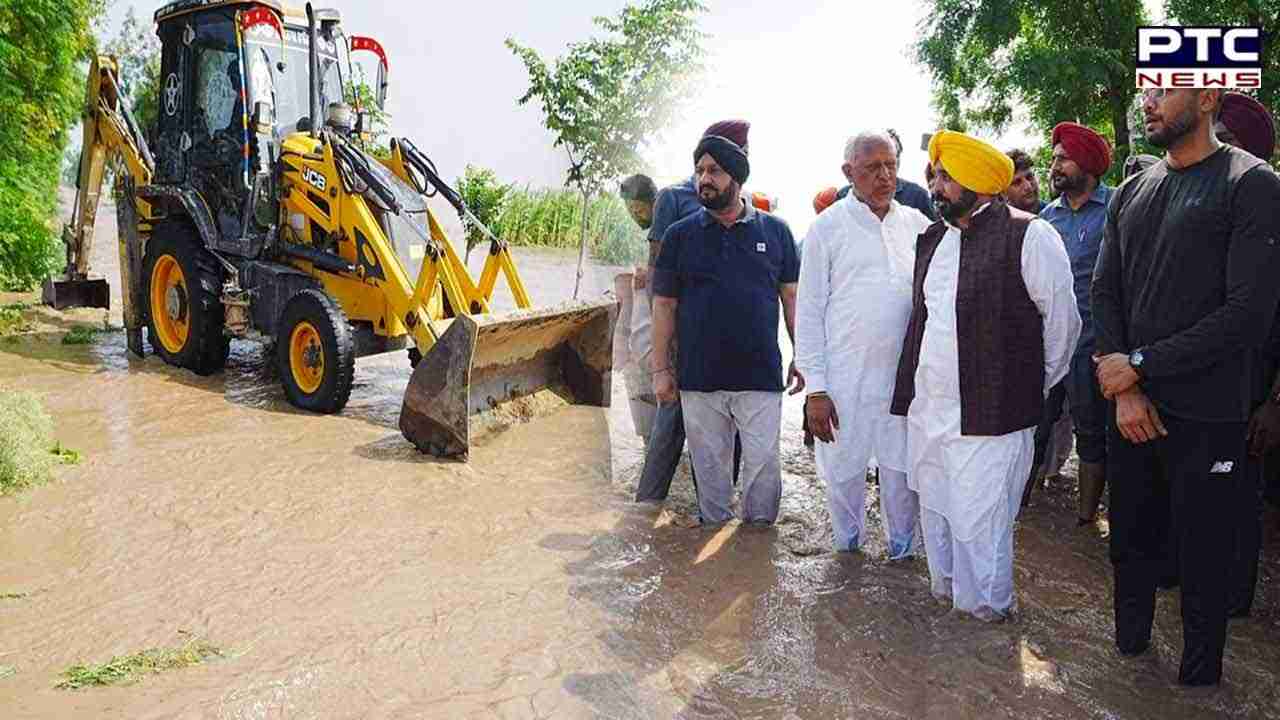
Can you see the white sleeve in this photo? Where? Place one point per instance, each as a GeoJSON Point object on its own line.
{"type": "Point", "coordinates": [811, 310]}
{"type": "Point", "coordinates": [1046, 271]}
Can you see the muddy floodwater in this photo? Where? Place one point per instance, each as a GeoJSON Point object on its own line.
{"type": "Point", "coordinates": [346, 576]}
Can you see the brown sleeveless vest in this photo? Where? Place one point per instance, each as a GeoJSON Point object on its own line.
{"type": "Point", "coordinates": [999, 328]}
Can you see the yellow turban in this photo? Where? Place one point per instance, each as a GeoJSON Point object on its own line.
{"type": "Point", "coordinates": [971, 162]}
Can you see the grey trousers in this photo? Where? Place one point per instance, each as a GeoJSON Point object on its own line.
{"type": "Point", "coordinates": [710, 421]}
{"type": "Point", "coordinates": [662, 455]}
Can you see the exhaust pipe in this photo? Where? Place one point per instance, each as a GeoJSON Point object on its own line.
{"type": "Point", "coordinates": [314, 81]}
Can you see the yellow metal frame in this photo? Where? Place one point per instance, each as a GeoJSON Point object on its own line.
{"type": "Point", "coordinates": [499, 261]}
{"type": "Point", "coordinates": [379, 290]}
{"type": "Point", "coordinates": [106, 136]}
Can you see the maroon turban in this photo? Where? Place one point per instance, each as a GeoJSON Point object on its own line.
{"type": "Point", "coordinates": [1085, 147]}
{"type": "Point", "coordinates": [1250, 122]}
{"type": "Point", "coordinates": [735, 130]}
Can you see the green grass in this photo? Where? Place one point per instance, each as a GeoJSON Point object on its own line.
{"type": "Point", "coordinates": [81, 335]}
{"type": "Point", "coordinates": [7, 671]}
{"type": "Point", "coordinates": [66, 456]}
{"type": "Point", "coordinates": [12, 320]}
{"type": "Point", "coordinates": [14, 595]}
{"type": "Point", "coordinates": [552, 218]}
{"type": "Point", "coordinates": [26, 436]}
{"type": "Point", "coordinates": [129, 669]}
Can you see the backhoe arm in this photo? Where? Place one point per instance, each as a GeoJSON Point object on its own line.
{"type": "Point", "coordinates": [110, 132]}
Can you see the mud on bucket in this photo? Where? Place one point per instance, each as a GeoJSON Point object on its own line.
{"type": "Point", "coordinates": [491, 371]}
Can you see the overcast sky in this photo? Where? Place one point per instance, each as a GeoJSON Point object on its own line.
{"type": "Point", "coordinates": [806, 73]}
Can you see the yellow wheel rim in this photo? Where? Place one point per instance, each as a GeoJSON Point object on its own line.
{"type": "Point", "coordinates": [170, 304]}
{"type": "Point", "coordinates": [306, 357]}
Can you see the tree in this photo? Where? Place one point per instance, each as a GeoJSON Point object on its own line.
{"type": "Point", "coordinates": [361, 97]}
{"type": "Point", "coordinates": [606, 98]}
{"type": "Point", "coordinates": [42, 47]}
{"type": "Point", "coordinates": [1059, 60]}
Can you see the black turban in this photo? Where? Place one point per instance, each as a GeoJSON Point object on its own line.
{"type": "Point", "coordinates": [727, 154]}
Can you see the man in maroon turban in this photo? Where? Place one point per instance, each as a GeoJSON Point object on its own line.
{"type": "Point", "coordinates": [1084, 146]}
{"type": "Point", "coordinates": [1246, 124]}
{"type": "Point", "coordinates": [1080, 159]}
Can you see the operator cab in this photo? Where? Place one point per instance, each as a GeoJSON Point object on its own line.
{"type": "Point", "coordinates": [234, 83]}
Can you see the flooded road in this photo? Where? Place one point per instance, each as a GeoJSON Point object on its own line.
{"type": "Point", "coordinates": [347, 576]}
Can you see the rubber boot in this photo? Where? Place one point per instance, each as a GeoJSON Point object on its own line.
{"type": "Point", "coordinates": [1093, 480]}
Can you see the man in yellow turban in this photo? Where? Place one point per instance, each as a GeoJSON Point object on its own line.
{"type": "Point", "coordinates": [993, 326]}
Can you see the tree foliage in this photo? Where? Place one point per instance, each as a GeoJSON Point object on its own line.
{"type": "Point", "coordinates": [1059, 61]}
{"type": "Point", "coordinates": [606, 98]}
{"type": "Point", "coordinates": [42, 45]}
{"type": "Point", "coordinates": [377, 121]}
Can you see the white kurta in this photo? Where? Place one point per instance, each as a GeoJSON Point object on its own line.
{"type": "Point", "coordinates": [970, 486]}
{"type": "Point", "coordinates": [852, 311]}
{"type": "Point", "coordinates": [640, 345]}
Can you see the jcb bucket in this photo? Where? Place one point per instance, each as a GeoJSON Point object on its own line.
{"type": "Point", "coordinates": [490, 371]}
{"type": "Point", "coordinates": [61, 293]}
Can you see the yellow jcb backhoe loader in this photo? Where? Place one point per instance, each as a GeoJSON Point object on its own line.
{"type": "Point", "coordinates": [262, 217]}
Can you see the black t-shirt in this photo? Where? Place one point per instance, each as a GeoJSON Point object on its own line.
{"type": "Point", "coordinates": [1187, 273]}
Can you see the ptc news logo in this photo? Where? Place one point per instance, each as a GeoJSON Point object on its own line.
{"type": "Point", "coordinates": [1199, 57]}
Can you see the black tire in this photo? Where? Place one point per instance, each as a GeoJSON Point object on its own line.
{"type": "Point", "coordinates": [197, 302]}
{"type": "Point", "coordinates": [324, 336]}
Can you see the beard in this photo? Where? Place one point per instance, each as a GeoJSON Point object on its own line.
{"type": "Point", "coordinates": [719, 199]}
{"type": "Point", "coordinates": [952, 211]}
{"type": "Point", "coordinates": [1174, 129]}
{"type": "Point", "coordinates": [1069, 183]}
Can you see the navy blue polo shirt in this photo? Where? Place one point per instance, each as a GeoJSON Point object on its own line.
{"type": "Point", "coordinates": [727, 282]}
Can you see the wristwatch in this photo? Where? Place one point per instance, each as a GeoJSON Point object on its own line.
{"type": "Point", "coordinates": [1135, 361]}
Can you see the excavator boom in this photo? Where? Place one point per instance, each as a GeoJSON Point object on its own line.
{"type": "Point", "coordinates": [110, 132]}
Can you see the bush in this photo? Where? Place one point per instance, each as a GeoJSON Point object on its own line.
{"type": "Point", "coordinates": [485, 197]}
{"type": "Point", "coordinates": [81, 335]}
{"type": "Point", "coordinates": [12, 320]}
{"type": "Point", "coordinates": [26, 436]}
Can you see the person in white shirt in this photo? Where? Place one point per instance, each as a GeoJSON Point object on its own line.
{"type": "Point", "coordinates": [852, 311]}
